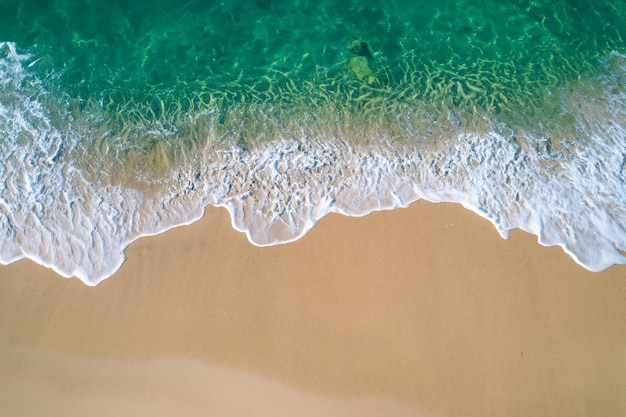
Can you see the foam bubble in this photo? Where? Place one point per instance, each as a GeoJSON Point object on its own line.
{"type": "Point", "coordinates": [63, 205]}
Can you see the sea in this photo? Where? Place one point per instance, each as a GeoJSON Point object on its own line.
{"type": "Point", "coordinates": [124, 119]}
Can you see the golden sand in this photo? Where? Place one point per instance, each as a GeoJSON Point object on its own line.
{"type": "Point", "coordinates": [423, 311]}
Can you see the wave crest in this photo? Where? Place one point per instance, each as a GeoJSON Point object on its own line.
{"type": "Point", "coordinates": [80, 184]}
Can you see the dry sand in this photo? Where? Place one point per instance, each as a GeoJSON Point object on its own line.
{"type": "Point", "coordinates": [423, 311]}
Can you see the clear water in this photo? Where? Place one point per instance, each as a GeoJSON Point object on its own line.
{"type": "Point", "coordinates": [120, 120]}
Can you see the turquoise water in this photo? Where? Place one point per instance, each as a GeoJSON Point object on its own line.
{"type": "Point", "coordinates": [121, 120]}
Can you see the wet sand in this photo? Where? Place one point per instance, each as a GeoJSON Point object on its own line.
{"type": "Point", "coordinates": [423, 311]}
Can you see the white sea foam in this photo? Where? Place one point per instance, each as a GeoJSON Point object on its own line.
{"type": "Point", "coordinates": [51, 211]}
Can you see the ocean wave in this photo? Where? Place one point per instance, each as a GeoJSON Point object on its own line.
{"type": "Point", "coordinates": [74, 194]}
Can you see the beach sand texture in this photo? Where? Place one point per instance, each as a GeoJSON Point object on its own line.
{"type": "Point", "coordinates": [423, 311]}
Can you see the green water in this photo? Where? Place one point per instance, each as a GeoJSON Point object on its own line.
{"type": "Point", "coordinates": [150, 83]}
{"type": "Point", "coordinates": [468, 55]}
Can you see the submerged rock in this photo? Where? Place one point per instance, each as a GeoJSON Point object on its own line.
{"type": "Point", "coordinates": [359, 64]}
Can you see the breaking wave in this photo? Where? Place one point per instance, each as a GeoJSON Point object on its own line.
{"type": "Point", "coordinates": [80, 181]}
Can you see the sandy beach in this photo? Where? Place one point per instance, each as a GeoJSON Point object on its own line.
{"type": "Point", "coordinates": [424, 311]}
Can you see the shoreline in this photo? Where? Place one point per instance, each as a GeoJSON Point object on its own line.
{"type": "Point", "coordinates": [427, 308]}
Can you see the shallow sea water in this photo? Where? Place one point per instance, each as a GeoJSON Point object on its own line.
{"type": "Point", "coordinates": [119, 121]}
